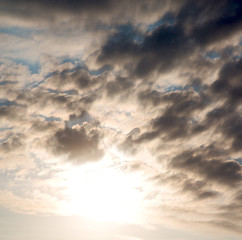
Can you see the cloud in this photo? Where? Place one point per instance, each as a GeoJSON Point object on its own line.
{"type": "Point", "coordinates": [118, 86]}
{"type": "Point", "coordinates": [74, 78]}
{"type": "Point", "coordinates": [13, 143]}
{"type": "Point", "coordinates": [176, 120]}
{"type": "Point", "coordinates": [168, 46]}
{"type": "Point", "coordinates": [225, 21]}
{"type": "Point", "coordinates": [228, 85]}
{"type": "Point", "coordinates": [204, 162]}
{"type": "Point", "coordinates": [161, 50]}
{"type": "Point", "coordinates": [197, 188]}
{"type": "Point", "coordinates": [80, 146]}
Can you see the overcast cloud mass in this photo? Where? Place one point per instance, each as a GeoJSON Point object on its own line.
{"type": "Point", "coordinates": [123, 115]}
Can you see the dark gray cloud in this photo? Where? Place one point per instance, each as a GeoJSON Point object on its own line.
{"type": "Point", "coordinates": [95, 14]}
{"type": "Point", "coordinates": [229, 84]}
{"type": "Point", "coordinates": [80, 146]}
{"type": "Point", "coordinates": [226, 119]}
{"type": "Point", "coordinates": [171, 43]}
{"type": "Point", "coordinates": [30, 7]}
{"type": "Point", "coordinates": [224, 19]}
{"type": "Point", "coordinates": [184, 185]}
{"type": "Point", "coordinates": [188, 98]}
{"type": "Point", "coordinates": [177, 120]}
{"type": "Point", "coordinates": [7, 82]}
{"type": "Point", "coordinates": [118, 86]}
{"type": "Point", "coordinates": [161, 50]}
{"type": "Point", "coordinates": [210, 164]}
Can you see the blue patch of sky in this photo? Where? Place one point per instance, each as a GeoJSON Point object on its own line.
{"type": "Point", "coordinates": [51, 118]}
{"type": "Point", "coordinates": [128, 114]}
{"type": "Point", "coordinates": [167, 19]}
{"type": "Point", "coordinates": [34, 66]}
{"type": "Point", "coordinates": [71, 60]}
{"type": "Point", "coordinates": [96, 72]}
{"type": "Point", "coordinates": [52, 90]}
{"type": "Point", "coordinates": [2, 140]}
{"type": "Point", "coordinates": [37, 84]}
{"type": "Point", "coordinates": [50, 75]}
{"type": "Point", "coordinates": [18, 31]}
{"type": "Point", "coordinates": [6, 102]}
{"type": "Point", "coordinates": [3, 129]}
{"type": "Point", "coordinates": [196, 87]}
{"type": "Point", "coordinates": [161, 90]}
{"type": "Point", "coordinates": [173, 88]}
{"type": "Point", "coordinates": [212, 55]}
{"type": "Point", "coordinates": [7, 82]}
{"type": "Point", "coordinates": [33, 84]}
{"type": "Point", "coordinates": [78, 120]}
{"type": "Point", "coordinates": [68, 92]}
{"type": "Point", "coordinates": [239, 160]}
{"type": "Point", "coordinates": [79, 65]}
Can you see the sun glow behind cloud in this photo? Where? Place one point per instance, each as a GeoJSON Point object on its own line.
{"type": "Point", "coordinates": [102, 193]}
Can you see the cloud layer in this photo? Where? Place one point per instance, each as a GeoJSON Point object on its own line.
{"type": "Point", "coordinates": [146, 87]}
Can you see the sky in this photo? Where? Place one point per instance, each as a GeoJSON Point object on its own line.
{"type": "Point", "coordinates": [120, 120]}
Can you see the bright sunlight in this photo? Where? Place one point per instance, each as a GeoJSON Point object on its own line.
{"type": "Point", "coordinates": [102, 193]}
